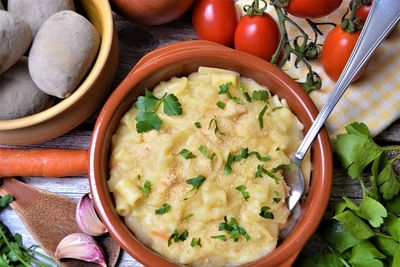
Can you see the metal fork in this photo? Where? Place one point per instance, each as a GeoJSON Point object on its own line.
{"type": "Point", "coordinates": [383, 17]}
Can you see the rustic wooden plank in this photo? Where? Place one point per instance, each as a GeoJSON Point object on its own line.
{"type": "Point", "coordinates": [135, 42]}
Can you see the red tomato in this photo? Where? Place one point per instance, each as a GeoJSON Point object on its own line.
{"type": "Point", "coordinates": [257, 35]}
{"type": "Point", "coordinates": [215, 20]}
{"type": "Point", "coordinates": [336, 52]}
{"type": "Point", "coordinates": [363, 11]}
{"type": "Point", "coordinates": [312, 8]}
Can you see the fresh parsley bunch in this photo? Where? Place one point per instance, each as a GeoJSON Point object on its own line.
{"type": "Point", "coordinates": [368, 233]}
{"type": "Point", "coordinates": [12, 250]}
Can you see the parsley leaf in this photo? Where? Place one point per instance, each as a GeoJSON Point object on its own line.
{"type": "Point", "coordinates": [284, 167]}
{"type": "Point", "coordinates": [195, 242]}
{"type": "Point", "coordinates": [205, 152]}
{"type": "Point", "coordinates": [176, 237]}
{"type": "Point", "coordinates": [172, 107]}
{"type": "Point", "coordinates": [146, 121]}
{"type": "Point", "coordinates": [224, 88]}
{"type": "Point", "coordinates": [146, 189]}
{"type": "Point", "coordinates": [4, 201]}
{"type": "Point", "coordinates": [187, 217]}
{"type": "Point", "coordinates": [260, 95]}
{"type": "Point", "coordinates": [365, 254]}
{"type": "Point", "coordinates": [266, 214]}
{"type": "Point", "coordinates": [228, 164]}
{"type": "Point", "coordinates": [148, 105]}
{"type": "Point", "coordinates": [186, 154]}
{"type": "Point", "coordinates": [355, 225]}
{"type": "Point", "coordinates": [221, 105]}
{"type": "Point", "coordinates": [276, 200]}
{"type": "Point", "coordinates": [242, 189]}
{"type": "Point", "coordinates": [220, 237]}
{"type": "Point", "coordinates": [196, 182]}
{"type": "Point", "coordinates": [233, 229]}
{"type": "Point", "coordinates": [261, 170]}
{"type": "Point", "coordinates": [197, 125]}
{"type": "Point", "coordinates": [164, 209]}
{"type": "Point", "coordinates": [387, 180]}
{"type": "Point", "coordinates": [216, 130]}
{"type": "Point", "coordinates": [356, 149]}
{"type": "Point", "coordinates": [276, 108]}
{"type": "Point", "coordinates": [244, 92]}
{"type": "Point", "coordinates": [261, 116]}
{"type": "Point", "coordinates": [244, 154]}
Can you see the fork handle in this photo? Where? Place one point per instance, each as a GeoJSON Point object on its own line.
{"type": "Point", "coordinates": [383, 17]}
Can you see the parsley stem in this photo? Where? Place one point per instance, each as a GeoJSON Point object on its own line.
{"type": "Point", "coordinates": [391, 148]}
{"type": "Point", "coordinates": [385, 236]}
{"type": "Point", "coordinates": [12, 249]}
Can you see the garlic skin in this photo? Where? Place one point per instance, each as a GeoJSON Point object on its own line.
{"type": "Point", "coordinates": [82, 247]}
{"type": "Point", "coordinates": [87, 219]}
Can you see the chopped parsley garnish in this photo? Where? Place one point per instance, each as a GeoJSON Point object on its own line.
{"type": "Point", "coordinates": [148, 105]}
{"type": "Point", "coordinates": [176, 237]}
{"type": "Point", "coordinates": [242, 189]}
{"type": "Point", "coordinates": [221, 105]}
{"type": "Point", "coordinates": [187, 217]}
{"type": "Point", "coordinates": [261, 170]}
{"type": "Point", "coordinates": [146, 189]}
{"type": "Point", "coordinates": [186, 154]}
{"type": "Point", "coordinates": [244, 92]}
{"type": "Point", "coordinates": [164, 209]}
{"type": "Point", "coordinates": [284, 167]}
{"type": "Point", "coordinates": [224, 89]}
{"type": "Point", "coordinates": [197, 125]}
{"type": "Point", "coordinates": [220, 237]}
{"type": "Point", "coordinates": [276, 108]}
{"type": "Point", "coordinates": [244, 154]}
{"type": "Point", "coordinates": [216, 130]}
{"type": "Point", "coordinates": [196, 182]}
{"type": "Point", "coordinates": [261, 116]}
{"type": "Point", "coordinates": [260, 95]}
{"type": "Point", "coordinates": [228, 164]}
{"type": "Point", "coordinates": [233, 229]}
{"type": "Point", "coordinates": [195, 242]}
{"type": "Point", "coordinates": [205, 152]}
{"type": "Point", "coordinates": [266, 214]}
{"type": "Point", "coordinates": [276, 199]}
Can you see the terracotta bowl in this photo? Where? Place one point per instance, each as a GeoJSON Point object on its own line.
{"type": "Point", "coordinates": [182, 59]}
{"type": "Point", "coordinates": [73, 110]}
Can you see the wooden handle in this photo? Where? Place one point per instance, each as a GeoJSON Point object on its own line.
{"type": "Point", "coordinates": [43, 162]}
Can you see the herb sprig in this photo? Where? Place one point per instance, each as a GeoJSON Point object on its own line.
{"type": "Point", "coordinates": [368, 233]}
{"type": "Point", "coordinates": [233, 229]}
{"type": "Point", "coordinates": [244, 154]}
{"type": "Point", "coordinates": [148, 105]}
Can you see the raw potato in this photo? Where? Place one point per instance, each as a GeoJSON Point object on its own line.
{"type": "Point", "coordinates": [62, 53]}
{"type": "Point", "coordinates": [15, 38]}
{"type": "Point", "coordinates": [35, 12]}
{"type": "Point", "coordinates": [19, 96]}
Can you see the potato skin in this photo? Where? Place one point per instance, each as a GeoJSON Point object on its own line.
{"type": "Point", "coordinates": [19, 96]}
{"type": "Point", "coordinates": [15, 39]}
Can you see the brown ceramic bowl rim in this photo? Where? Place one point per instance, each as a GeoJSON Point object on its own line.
{"type": "Point", "coordinates": [101, 60]}
{"type": "Point", "coordinates": [320, 189]}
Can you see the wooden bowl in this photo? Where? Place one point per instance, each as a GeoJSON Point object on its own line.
{"type": "Point", "coordinates": [183, 59]}
{"type": "Point", "coordinates": [70, 112]}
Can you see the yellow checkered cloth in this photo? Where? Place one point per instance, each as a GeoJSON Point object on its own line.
{"type": "Point", "coordinates": [374, 99]}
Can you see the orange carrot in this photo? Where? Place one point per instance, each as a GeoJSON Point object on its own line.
{"type": "Point", "coordinates": [43, 162]}
{"type": "Point", "coordinates": [163, 235]}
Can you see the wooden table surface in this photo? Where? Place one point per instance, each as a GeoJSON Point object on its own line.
{"type": "Point", "coordinates": [136, 41]}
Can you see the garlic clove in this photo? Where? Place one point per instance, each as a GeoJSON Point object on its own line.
{"type": "Point", "coordinates": [82, 247]}
{"type": "Point", "coordinates": [87, 219]}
